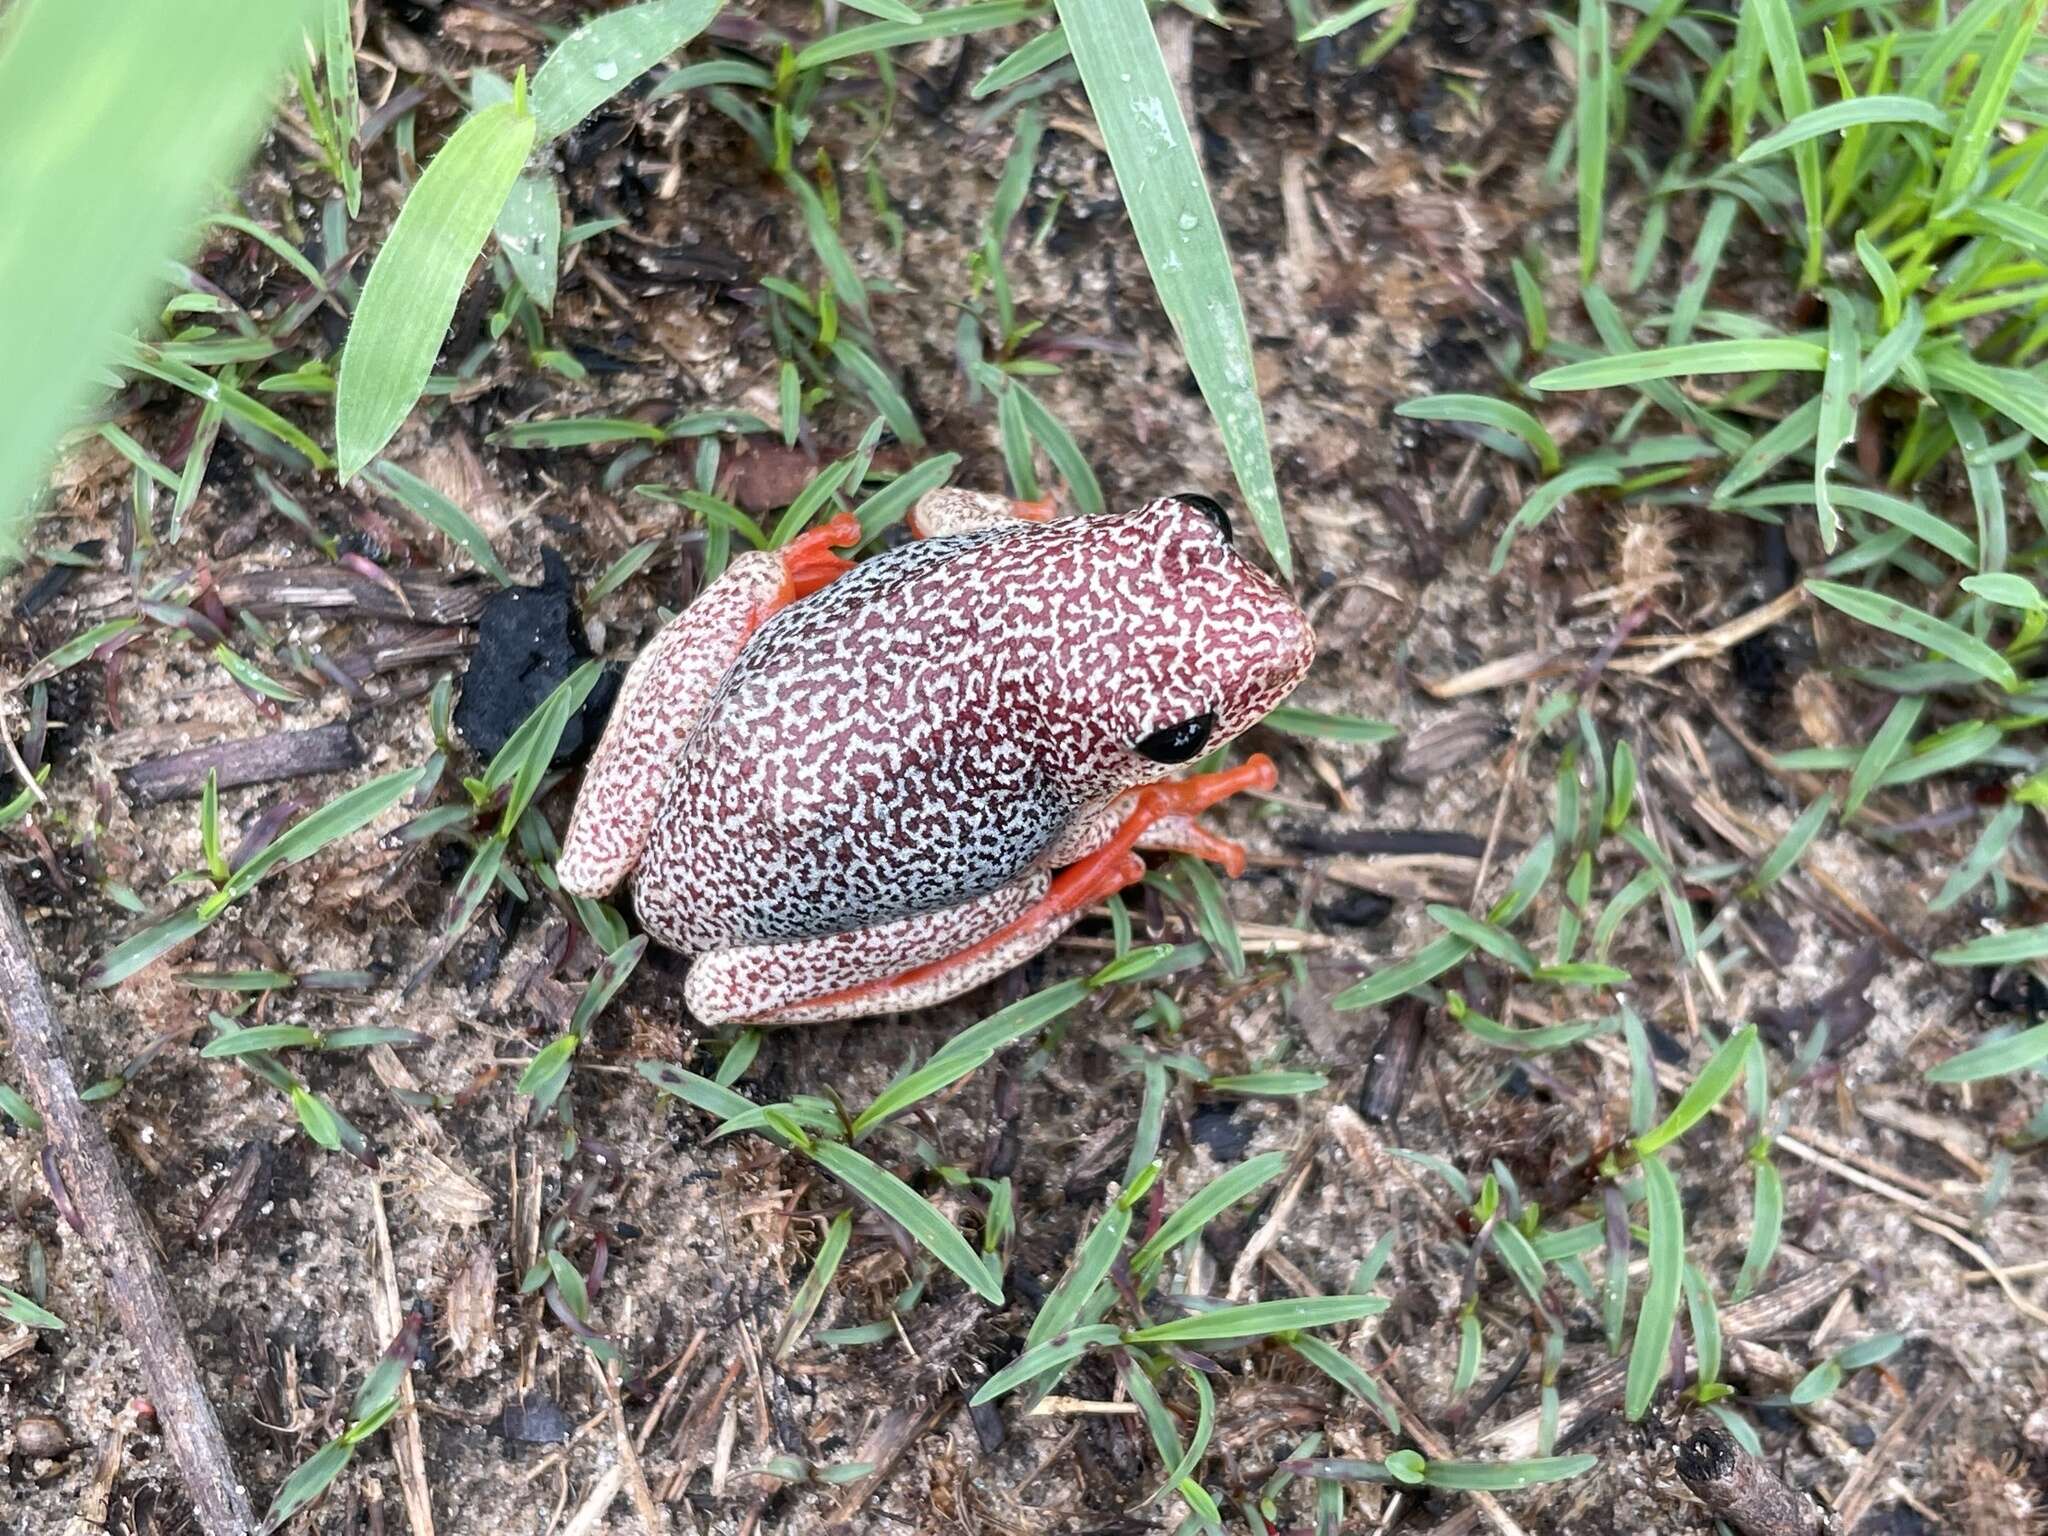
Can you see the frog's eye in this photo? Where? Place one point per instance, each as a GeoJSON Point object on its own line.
{"type": "Point", "coordinates": [1210, 508]}
{"type": "Point", "coordinates": [1180, 743]}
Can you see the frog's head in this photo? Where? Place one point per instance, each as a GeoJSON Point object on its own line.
{"type": "Point", "coordinates": [1186, 643]}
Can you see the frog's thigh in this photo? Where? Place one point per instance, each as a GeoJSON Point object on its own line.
{"type": "Point", "coordinates": [769, 983]}
{"type": "Point", "coordinates": [665, 691]}
{"type": "Point", "coordinates": [948, 510]}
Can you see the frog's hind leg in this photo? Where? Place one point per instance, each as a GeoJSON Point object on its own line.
{"type": "Point", "coordinates": [947, 510]}
{"type": "Point", "coordinates": [844, 975]}
{"type": "Point", "coordinates": [872, 970]}
{"type": "Point", "coordinates": [666, 690]}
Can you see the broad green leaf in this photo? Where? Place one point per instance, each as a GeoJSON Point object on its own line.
{"type": "Point", "coordinates": [411, 292]}
{"type": "Point", "coordinates": [903, 1205]}
{"type": "Point", "coordinates": [120, 127]}
{"type": "Point", "coordinates": [1132, 94]}
{"type": "Point", "coordinates": [605, 55]}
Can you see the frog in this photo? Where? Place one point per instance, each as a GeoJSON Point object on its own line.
{"type": "Point", "coordinates": [852, 788]}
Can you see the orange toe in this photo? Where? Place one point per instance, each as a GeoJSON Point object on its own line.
{"type": "Point", "coordinates": [808, 562]}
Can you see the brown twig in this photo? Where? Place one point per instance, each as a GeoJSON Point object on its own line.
{"type": "Point", "coordinates": [387, 1315]}
{"type": "Point", "coordinates": [254, 760]}
{"type": "Point", "coordinates": [1741, 1489]}
{"type": "Point", "coordinates": [115, 1232]}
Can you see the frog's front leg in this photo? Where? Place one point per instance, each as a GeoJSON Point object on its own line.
{"type": "Point", "coordinates": [948, 510]}
{"type": "Point", "coordinates": [917, 962]}
{"type": "Point", "coordinates": [666, 690]}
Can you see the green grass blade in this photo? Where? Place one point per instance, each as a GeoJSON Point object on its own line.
{"type": "Point", "coordinates": [2012, 392]}
{"type": "Point", "coordinates": [1485, 411]}
{"type": "Point", "coordinates": [1048, 1359]}
{"type": "Point", "coordinates": [1257, 1319]}
{"type": "Point", "coordinates": [1404, 976]}
{"type": "Point", "coordinates": [1504, 1476]}
{"type": "Point", "coordinates": [1708, 1089]}
{"type": "Point", "coordinates": [903, 1205]}
{"type": "Point", "coordinates": [955, 21]}
{"type": "Point", "coordinates": [1138, 110]}
{"type": "Point", "coordinates": [1092, 1263]}
{"type": "Point", "coordinates": [1795, 98]}
{"type": "Point", "coordinates": [804, 1306]}
{"type": "Point", "coordinates": [1059, 445]}
{"type": "Point", "coordinates": [2012, 947]}
{"type": "Point", "coordinates": [412, 290]}
{"type": "Point", "coordinates": [1348, 1374]}
{"type": "Point", "coordinates": [1320, 725]}
{"type": "Point", "coordinates": [1764, 355]}
{"type": "Point", "coordinates": [605, 55]}
{"type": "Point", "coordinates": [1969, 149]}
{"type": "Point", "coordinates": [441, 514]}
{"type": "Point", "coordinates": [530, 235]}
{"type": "Point", "coordinates": [1767, 1221]}
{"type": "Point", "coordinates": [1895, 618]}
{"type": "Point", "coordinates": [1990, 848]}
{"type": "Point", "coordinates": [1042, 52]}
{"type": "Point", "coordinates": [1840, 116]}
{"type": "Point", "coordinates": [1210, 1201]}
{"type": "Point", "coordinates": [119, 127]}
{"type": "Point", "coordinates": [341, 817]}
{"type": "Point", "coordinates": [1792, 846]}
{"type": "Point", "coordinates": [1998, 1058]}
{"type": "Point", "coordinates": [1649, 1355]}
{"type": "Point", "coordinates": [1594, 113]}
{"type": "Point", "coordinates": [1839, 399]}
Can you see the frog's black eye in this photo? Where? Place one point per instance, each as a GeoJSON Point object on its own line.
{"type": "Point", "coordinates": [1210, 508]}
{"type": "Point", "coordinates": [1180, 743]}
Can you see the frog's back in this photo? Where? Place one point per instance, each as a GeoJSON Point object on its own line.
{"type": "Point", "coordinates": [877, 750]}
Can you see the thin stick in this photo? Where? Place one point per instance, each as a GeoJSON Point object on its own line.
{"type": "Point", "coordinates": [115, 1232]}
{"type": "Point", "coordinates": [387, 1315]}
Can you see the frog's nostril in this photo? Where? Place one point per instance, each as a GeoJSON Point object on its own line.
{"type": "Point", "coordinates": [1210, 508]}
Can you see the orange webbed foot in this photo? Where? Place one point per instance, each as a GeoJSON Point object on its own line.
{"type": "Point", "coordinates": [808, 561]}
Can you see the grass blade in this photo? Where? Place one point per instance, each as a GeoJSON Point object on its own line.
{"type": "Point", "coordinates": [1894, 617]}
{"type": "Point", "coordinates": [442, 515]}
{"type": "Point", "coordinates": [1503, 1476]}
{"type": "Point", "coordinates": [1998, 1058]}
{"type": "Point", "coordinates": [1767, 1220]}
{"type": "Point", "coordinates": [1838, 403]}
{"type": "Point", "coordinates": [605, 55]}
{"type": "Point", "coordinates": [1208, 1202]}
{"type": "Point", "coordinates": [112, 151]}
{"type": "Point", "coordinates": [1257, 1319]}
{"type": "Point", "coordinates": [1485, 411]}
{"type": "Point", "coordinates": [1649, 1355]}
{"type": "Point", "coordinates": [957, 21]}
{"type": "Point", "coordinates": [1595, 112]}
{"type": "Point", "coordinates": [1840, 116]}
{"type": "Point", "coordinates": [411, 293]}
{"type": "Point", "coordinates": [1707, 1090]}
{"type": "Point", "coordinates": [903, 1205]}
{"type": "Point", "coordinates": [1766, 354]}
{"type": "Point", "coordinates": [812, 1292]}
{"type": "Point", "coordinates": [530, 235]}
{"type": "Point", "coordinates": [1048, 1359]}
{"type": "Point", "coordinates": [1970, 147]}
{"type": "Point", "coordinates": [1138, 110]}
{"type": "Point", "coordinates": [1795, 97]}
{"type": "Point", "coordinates": [1092, 1263]}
